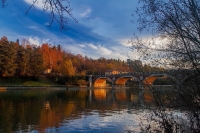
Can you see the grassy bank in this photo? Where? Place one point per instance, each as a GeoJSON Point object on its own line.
{"type": "Point", "coordinates": [26, 81]}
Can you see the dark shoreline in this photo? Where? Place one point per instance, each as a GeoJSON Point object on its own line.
{"type": "Point", "coordinates": [21, 87]}
{"type": "Point", "coordinates": [15, 87]}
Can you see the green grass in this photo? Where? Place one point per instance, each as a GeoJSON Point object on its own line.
{"type": "Point", "coordinates": [43, 79]}
{"type": "Point", "coordinates": [34, 83]}
{"type": "Point", "coordinates": [11, 81]}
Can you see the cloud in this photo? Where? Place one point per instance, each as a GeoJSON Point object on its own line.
{"type": "Point", "coordinates": [46, 24]}
{"type": "Point", "coordinates": [99, 33]}
{"type": "Point", "coordinates": [39, 4]}
{"type": "Point", "coordinates": [101, 49]}
{"type": "Point", "coordinates": [34, 41]}
{"type": "Point", "coordinates": [45, 41]}
{"type": "Point", "coordinates": [124, 42]}
{"type": "Point", "coordinates": [86, 13]}
{"type": "Point", "coordinates": [104, 50]}
{"type": "Point", "coordinates": [93, 46]}
{"type": "Point", "coordinates": [72, 48]}
{"type": "Point", "coordinates": [33, 27]}
{"type": "Point", "coordinates": [97, 51]}
{"type": "Point", "coordinates": [81, 45]}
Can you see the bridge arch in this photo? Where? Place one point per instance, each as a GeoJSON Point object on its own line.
{"type": "Point", "coordinates": [101, 81]}
{"type": "Point", "coordinates": [150, 79]}
{"type": "Point", "coordinates": [189, 77]}
{"type": "Point", "coordinates": [122, 80]}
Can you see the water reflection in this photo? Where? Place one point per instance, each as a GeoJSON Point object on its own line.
{"type": "Point", "coordinates": [82, 110]}
{"type": "Point", "coordinates": [47, 105]}
{"type": "Point", "coordinates": [100, 94]}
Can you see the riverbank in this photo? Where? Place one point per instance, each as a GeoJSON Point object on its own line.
{"type": "Point", "coordinates": [26, 81]}
{"type": "Point", "coordinates": [41, 87]}
{"type": "Point", "coordinates": [60, 87]}
{"type": "Point", "coordinates": [33, 88]}
{"type": "Point", "coordinates": [43, 80]}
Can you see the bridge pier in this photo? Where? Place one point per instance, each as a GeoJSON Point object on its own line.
{"type": "Point", "coordinates": [90, 80]}
{"type": "Point", "coordinates": [141, 97]}
{"type": "Point", "coordinates": [141, 86]}
{"type": "Point", "coordinates": [90, 95]}
{"type": "Point", "coordinates": [113, 86]}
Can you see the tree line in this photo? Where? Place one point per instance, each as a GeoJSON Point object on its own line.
{"type": "Point", "coordinates": [31, 60]}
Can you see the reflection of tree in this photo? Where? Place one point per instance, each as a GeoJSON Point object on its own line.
{"type": "Point", "coordinates": [14, 115]}
{"type": "Point", "coordinates": [21, 110]}
{"type": "Point", "coordinates": [48, 118]}
{"type": "Point", "coordinates": [7, 118]}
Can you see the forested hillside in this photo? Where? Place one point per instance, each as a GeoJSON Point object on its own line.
{"type": "Point", "coordinates": [25, 59]}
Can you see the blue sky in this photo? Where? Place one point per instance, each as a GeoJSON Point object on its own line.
{"type": "Point", "coordinates": [103, 28]}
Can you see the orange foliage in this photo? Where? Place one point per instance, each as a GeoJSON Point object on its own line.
{"type": "Point", "coordinates": [51, 55]}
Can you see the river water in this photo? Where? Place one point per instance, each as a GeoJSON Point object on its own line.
{"type": "Point", "coordinates": [102, 110]}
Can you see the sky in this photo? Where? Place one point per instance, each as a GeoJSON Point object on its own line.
{"type": "Point", "coordinates": [103, 28]}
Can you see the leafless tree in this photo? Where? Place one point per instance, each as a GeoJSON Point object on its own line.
{"type": "Point", "coordinates": [59, 11]}
{"type": "Point", "coordinates": [175, 42]}
{"type": "Point", "coordinates": [176, 24]}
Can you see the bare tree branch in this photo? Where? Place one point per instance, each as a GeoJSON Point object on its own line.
{"type": "Point", "coordinates": [176, 24]}
{"type": "Point", "coordinates": [59, 11]}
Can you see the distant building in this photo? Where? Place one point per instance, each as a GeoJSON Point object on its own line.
{"type": "Point", "coordinates": [111, 72]}
{"type": "Point", "coordinates": [124, 72]}
{"type": "Point", "coordinates": [47, 71]}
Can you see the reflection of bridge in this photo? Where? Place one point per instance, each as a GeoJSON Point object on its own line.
{"type": "Point", "coordinates": [124, 96]}
{"type": "Point", "coordinates": [143, 78]}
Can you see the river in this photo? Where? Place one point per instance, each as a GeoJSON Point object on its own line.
{"type": "Point", "coordinates": [121, 110]}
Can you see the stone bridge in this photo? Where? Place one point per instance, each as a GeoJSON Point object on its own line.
{"type": "Point", "coordinates": [143, 78]}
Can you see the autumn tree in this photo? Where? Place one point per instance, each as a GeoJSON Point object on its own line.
{"type": "Point", "coordinates": [22, 61]}
{"type": "Point", "coordinates": [45, 51]}
{"type": "Point", "coordinates": [35, 62]}
{"type": "Point", "coordinates": [8, 52]}
{"type": "Point", "coordinates": [67, 68]}
{"type": "Point", "coordinates": [52, 57]}
{"type": "Point", "coordinates": [55, 58]}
